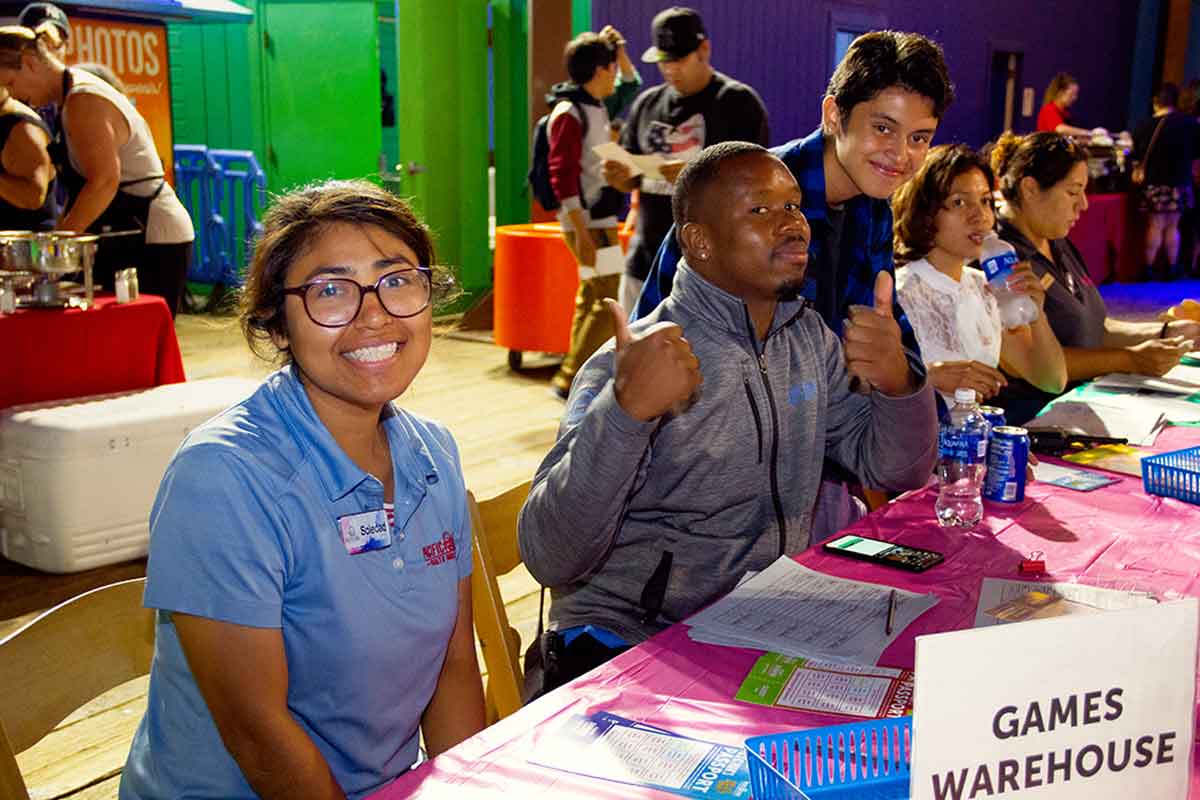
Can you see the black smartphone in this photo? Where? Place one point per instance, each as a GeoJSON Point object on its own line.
{"type": "Point", "coordinates": [889, 554]}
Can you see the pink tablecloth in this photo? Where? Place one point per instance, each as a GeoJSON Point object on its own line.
{"type": "Point", "coordinates": [1116, 537]}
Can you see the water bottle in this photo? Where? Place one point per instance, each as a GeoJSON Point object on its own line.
{"type": "Point", "coordinates": [1016, 308]}
{"type": "Point", "coordinates": [962, 463]}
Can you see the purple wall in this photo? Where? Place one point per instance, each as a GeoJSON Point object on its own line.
{"type": "Point", "coordinates": [783, 49]}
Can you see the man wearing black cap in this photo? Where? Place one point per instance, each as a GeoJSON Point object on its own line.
{"type": "Point", "coordinates": [697, 106]}
{"type": "Point", "coordinates": [34, 14]}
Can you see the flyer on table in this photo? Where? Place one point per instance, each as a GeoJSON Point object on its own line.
{"type": "Point", "coordinates": [828, 687]}
{"type": "Point", "coordinates": [612, 748]}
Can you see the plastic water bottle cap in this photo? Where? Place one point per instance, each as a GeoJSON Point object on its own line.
{"type": "Point", "coordinates": [964, 395]}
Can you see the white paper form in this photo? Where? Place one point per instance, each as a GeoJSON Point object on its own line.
{"type": "Point", "coordinates": [837, 689]}
{"type": "Point", "coordinates": [995, 591]}
{"type": "Point", "coordinates": [1185, 372]}
{"type": "Point", "coordinates": [796, 611]}
{"type": "Point", "coordinates": [1134, 421]}
{"type": "Point", "coordinates": [1175, 408]}
{"type": "Point", "coordinates": [646, 165]}
{"type": "Point", "coordinates": [1180, 380]}
{"type": "Point", "coordinates": [610, 260]}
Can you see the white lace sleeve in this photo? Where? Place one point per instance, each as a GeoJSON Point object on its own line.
{"type": "Point", "coordinates": [932, 314]}
{"type": "Point", "coordinates": [979, 325]}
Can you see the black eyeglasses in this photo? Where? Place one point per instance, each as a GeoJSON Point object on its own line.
{"type": "Point", "coordinates": [334, 302]}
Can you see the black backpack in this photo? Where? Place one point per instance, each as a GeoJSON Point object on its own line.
{"type": "Point", "coordinates": [539, 160]}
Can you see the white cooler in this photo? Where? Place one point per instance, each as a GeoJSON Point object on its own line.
{"type": "Point", "coordinates": [78, 477]}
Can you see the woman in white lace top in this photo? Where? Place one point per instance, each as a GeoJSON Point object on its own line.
{"type": "Point", "coordinates": [942, 216]}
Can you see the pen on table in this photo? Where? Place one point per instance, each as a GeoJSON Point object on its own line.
{"type": "Point", "coordinates": [891, 613]}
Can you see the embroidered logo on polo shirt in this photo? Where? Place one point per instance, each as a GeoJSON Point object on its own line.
{"type": "Point", "coordinates": [441, 551]}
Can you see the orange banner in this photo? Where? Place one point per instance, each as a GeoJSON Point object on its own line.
{"type": "Point", "coordinates": [137, 53]}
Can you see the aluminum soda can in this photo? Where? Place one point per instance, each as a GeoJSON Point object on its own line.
{"type": "Point", "coordinates": [994, 416]}
{"type": "Point", "coordinates": [1008, 454]}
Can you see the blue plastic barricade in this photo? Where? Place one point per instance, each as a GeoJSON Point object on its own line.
{"type": "Point", "coordinates": [193, 189]}
{"type": "Point", "coordinates": [225, 208]}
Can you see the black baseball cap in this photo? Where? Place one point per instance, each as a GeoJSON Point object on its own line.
{"type": "Point", "coordinates": [677, 32]}
{"type": "Point", "coordinates": [35, 14]}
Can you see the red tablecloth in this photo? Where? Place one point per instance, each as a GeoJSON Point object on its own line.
{"type": "Point", "coordinates": [1116, 536]}
{"type": "Point", "coordinates": [1102, 235]}
{"type": "Point", "coordinates": [52, 355]}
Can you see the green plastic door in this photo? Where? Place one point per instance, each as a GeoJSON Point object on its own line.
{"type": "Point", "coordinates": [321, 84]}
{"type": "Point", "coordinates": [442, 121]}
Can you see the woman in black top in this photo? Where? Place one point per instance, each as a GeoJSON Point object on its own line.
{"type": "Point", "coordinates": [1042, 177]}
{"type": "Point", "coordinates": [1167, 191]}
{"type": "Point", "coordinates": [26, 174]}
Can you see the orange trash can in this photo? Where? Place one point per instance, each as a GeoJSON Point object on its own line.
{"type": "Point", "coordinates": [535, 280]}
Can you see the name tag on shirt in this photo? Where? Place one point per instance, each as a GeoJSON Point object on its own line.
{"type": "Point", "coordinates": [364, 532]}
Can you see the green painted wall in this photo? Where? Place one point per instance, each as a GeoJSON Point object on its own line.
{"type": "Point", "coordinates": [320, 67]}
{"type": "Point", "coordinates": [581, 16]}
{"type": "Point", "coordinates": [257, 87]}
{"type": "Point", "coordinates": [387, 11]}
{"type": "Point", "coordinates": [216, 97]}
{"type": "Point", "coordinates": [300, 87]}
{"type": "Point", "coordinates": [442, 101]}
{"type": "Point", "coordinates": [510, 59]}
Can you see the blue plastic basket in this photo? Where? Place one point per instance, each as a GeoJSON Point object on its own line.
{"type": "Point", "coordinates": [1174, 474]}
{"type": "Point", "coordinates": [861, 761]}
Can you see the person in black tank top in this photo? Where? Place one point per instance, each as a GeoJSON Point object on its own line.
{"type": "Point", "coordinates": [26, 174]}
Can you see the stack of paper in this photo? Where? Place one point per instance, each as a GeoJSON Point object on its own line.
{"type": "Point", "coordinates": [1181, 380]}
{"type": "Point", "coordinates": [796, 611]}
{"type": "Point", "coordinates": [1122, 416]}
{"type": "Point", "coordinates": [1177, 409]}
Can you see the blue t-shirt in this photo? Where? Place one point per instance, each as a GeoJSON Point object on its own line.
{"type": "Point", "coordinates": [245, 529]}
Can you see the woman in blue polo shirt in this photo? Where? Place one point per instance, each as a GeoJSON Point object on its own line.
{"type": "Point", "coordinates": [310, 549]}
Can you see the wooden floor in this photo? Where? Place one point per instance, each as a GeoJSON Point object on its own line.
{"type": "Point", "coordinates": [504, 423]}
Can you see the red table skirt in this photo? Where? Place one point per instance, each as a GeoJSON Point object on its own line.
{"type": "Point", "coordinates": [52, 355]}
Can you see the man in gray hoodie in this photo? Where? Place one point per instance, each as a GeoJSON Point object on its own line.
{"type": "Point", "coordinates": [692, 444]}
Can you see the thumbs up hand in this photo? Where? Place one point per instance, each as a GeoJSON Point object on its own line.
{"type": "Point", "coordinates": [871, 341]}
{"type": "Point", "coordinates": [656, 372]}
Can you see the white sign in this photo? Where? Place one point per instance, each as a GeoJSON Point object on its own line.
{"type": "Point", "coordinates": [1073, 707]}
{"type": "Point", "coordinates": [1027, 102]}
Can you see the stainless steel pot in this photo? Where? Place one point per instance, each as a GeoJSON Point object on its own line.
{"type": "Point", "coordinates": [16, 250]}
{"type": "Point", "coordinates": [61, 252]}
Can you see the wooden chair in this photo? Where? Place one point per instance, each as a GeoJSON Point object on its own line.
{"type": "Point", "coordinates": [494, 523]}
{"type": "Point", "coordinates": [66, 657]}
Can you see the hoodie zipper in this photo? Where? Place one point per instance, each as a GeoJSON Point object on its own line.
{"type": "Point", "coordinates": [757, 416]}
{"type": "Point", "coordinates": [762, 371]}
